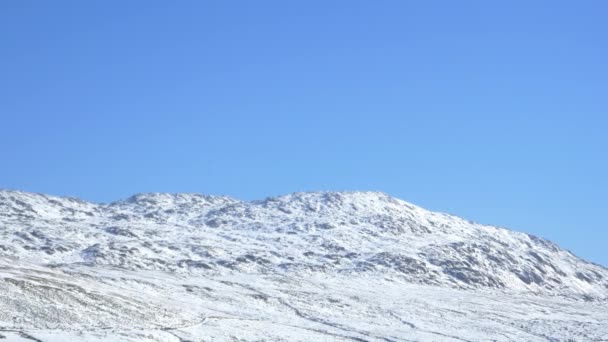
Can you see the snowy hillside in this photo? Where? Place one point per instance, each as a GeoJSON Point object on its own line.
{"type": "Point", "coordinates": [309, 266]}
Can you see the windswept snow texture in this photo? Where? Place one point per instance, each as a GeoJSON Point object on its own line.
{"type": "Point", "coordinates": [322, 266]}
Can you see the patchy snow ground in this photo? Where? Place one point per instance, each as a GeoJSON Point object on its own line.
{"type": "Point", "coordinates": [309, 266]}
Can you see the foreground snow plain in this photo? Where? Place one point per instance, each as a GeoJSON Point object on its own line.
{"type": "Point", "coordinates": [327, 266]}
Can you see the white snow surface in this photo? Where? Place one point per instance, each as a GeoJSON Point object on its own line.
{"type": "Point", "coordinates": [319, 266]}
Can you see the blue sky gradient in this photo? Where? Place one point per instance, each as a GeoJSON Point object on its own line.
{"type": "Point", "coordinates": [493, 111]}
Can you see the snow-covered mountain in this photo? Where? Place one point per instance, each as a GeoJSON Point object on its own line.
{"type": "Point", "coordinates": [333, 265]}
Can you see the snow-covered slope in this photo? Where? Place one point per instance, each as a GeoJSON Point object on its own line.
{"type": "Point", "coordinates": [335, 265]}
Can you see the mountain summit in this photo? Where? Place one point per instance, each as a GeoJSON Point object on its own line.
{"type": "Point", "coordinates": [150, 241]}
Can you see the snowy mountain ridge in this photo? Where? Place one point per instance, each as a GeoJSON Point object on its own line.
{"type": "Point", "coordinates": [343, 232]}
{"type": "Point", "coordinates": [316, 261]}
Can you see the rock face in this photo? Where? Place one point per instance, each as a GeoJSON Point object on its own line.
{"type": "Point", "coordinates": [359, 237]}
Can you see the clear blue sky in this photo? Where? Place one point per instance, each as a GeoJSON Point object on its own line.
{"type": "Point", "coordinates": [492, 110]}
